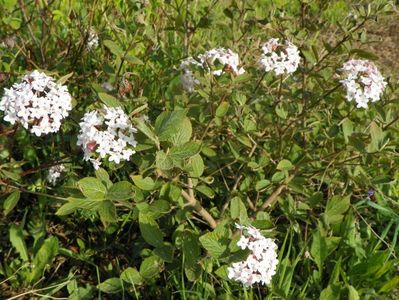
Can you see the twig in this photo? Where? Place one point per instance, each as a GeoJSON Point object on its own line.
{"type": "Point", "coordinates": [197, 206]}
{"type": "Point", "coordinates": [273, 197]}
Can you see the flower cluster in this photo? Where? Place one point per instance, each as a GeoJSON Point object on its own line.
{"type": "Point", "coordinates": [279, 57]}
{"type": "Point", "coordinates": [363, 82]}
{"type": "Point", "coordinates": [217, 61]}
{"type": "Point", "coordinates": [260, 265]}
{"type": "Point", "coordinates": [228, 59]}
{"type": "Point", "coordinates": [92, 40]}
{"type": "Point", "coordinates": [106, 133]}
{"type": "Point", "coordinates": [37, 102]}
{"type": "Point", "coordinates": [54, 173]}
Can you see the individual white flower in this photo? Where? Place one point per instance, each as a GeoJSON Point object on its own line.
{"type": "Point", "coordinates": [261, 263]}
{"type": "Point", "coordinates": [363, 82]}
{"type": "Point", "coordinates": [279, 57]}
{"type": "Point", "coordinates": [216, 60]}
{"type": "Point", "coordinates": [54, 173]}
{"type": "Point", "coordinates": [37, 102]}
{"type": "Point", "coordinates": [106, 133]}
{"type": "Point", "coordinates": [92, 40]}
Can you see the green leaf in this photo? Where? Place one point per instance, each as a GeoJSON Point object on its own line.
{"type": "Point", "coordinates": [261, 184]}
{"type": "Point", "coordinates": [377, 137]}
{"type": "Point", "coordinates": [331, 292]}
{"type": "Point", "coordinates": [284, 165]}
{"type": "Point", "coordinates": [145, 184]}
{"type": "Point", "coordinates": [353, 294]}
{"type": "Point", "coordinates": [281, 111]}
{"type": "Point", "coordinates": [222, 109]}
{"type": "Point", "coordinates": [104, 177]}
{"type": "Point", "coordinates": [64, 78]}
{"type": "Point", "coordinates": [11, 201]}
{"type": "Point", "coordinates": [191, 248]}
{"type": "Point", "coordinates": [44, 258]}
{"type": "Point", "coordinates": [196, 166]}
{"type": "Point", "coordinates": [238, 210]}
{"type": "Point", "coordinates": [389, 285]}
{"type": "Point", "coordinates": [347, 128]}
{"type": "Point", "coordinates": [163, 161]}
{"type": "Point", "coordinates": [132, 276]}
{"type": "Point", "coordinates": [214, 243]}
{"type": "Point", "coordinates": [92, 188]}
{"type": "Point", "coordinates": [364, 54]}
{"type": "Point", "coordinates": [120, 191]}
{"type": "Point", "coordinates": [182, 133]}
{"type": "Point", "coordinates": [134, 60]}
{"type": "Point", "coordinates": [107, 211]}
{"type": "Point", "coordinates": [336, 207]}
{"type": "Point", "coordinates": [114, 48]}
{"type": "Point", "coordinates": [178, 153]}
{"type": "Point", "coordinates": [111, 285]}
{"type": "Point", "coordinates": [168, 123]}
{"type": "Point", "coordinates": [151, 267]}
{"type": "Point", "coordinates": [144, 128]}
{"type": "Point", "coordinates": [18, 242]}
{"type": "Point", "coordinates": [207, 191]}
{"type": "Point", "coordinates": [74, 203]}
{"type": "Point", "coordinates": [319, 249]}
{"type": "Point", "coordinates": [109, 100]}
{"type": "Point", "coordinates": [165, 252]}
{"type": "Point", "coordinates": [150, 230]}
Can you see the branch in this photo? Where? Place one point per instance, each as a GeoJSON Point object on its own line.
{"type": "Point", "coordinates": [197, 206]}
{"type": "Point", "coordinates": [273, 197]}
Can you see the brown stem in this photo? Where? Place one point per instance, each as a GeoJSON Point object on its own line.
{"type": "Point", "coordinates": [273, 197]}
{"type": "Point", "coordinates": [197, 206]}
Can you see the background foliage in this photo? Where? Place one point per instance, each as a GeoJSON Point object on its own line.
{"type": "Point", "coordinates": [288, 155]}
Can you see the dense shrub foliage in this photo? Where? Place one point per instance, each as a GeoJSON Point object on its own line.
{"type": "Point", "coordinates": [178, 149]}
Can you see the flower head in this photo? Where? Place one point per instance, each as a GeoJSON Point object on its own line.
{"type": "Point", "coordinates": [363, 82]}
{"type": "Point", "coordinates": [106, 133]}
{"type": "Point", "coordinates": [217, 61]}
{"type": "Point", "coordinates": [54, 173]}
{"type": "Point", "coordinates": [261, 263]}
{"type": "Point", "coordinates": [92, 40]}
{"type": "Point", "coordinates": [37, 102]}
{"type": "Point", "coordinates": [279, 57]}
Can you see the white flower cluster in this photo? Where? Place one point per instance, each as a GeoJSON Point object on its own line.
{"type": "Point", "coordinates": [260, 266]}
{"type": "Point", "coordinates": [209, 61]}
{"type": "Point", "coordinates": [106, 133]}
{"type": "Point", "coordinates": [363, 82]}
{"type": "Point", "coordinates": [54, 173]}
{"type": "Point", "coordinates": [37, 102]}
{"type": "Point", "coordinates": [279, 57]}
{"type": "Point", "coordinates": [92, 40]}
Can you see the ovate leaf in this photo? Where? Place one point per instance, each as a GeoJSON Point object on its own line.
{"type": "Point", "coordinates": [11, 201]}
{"type": "Point", "coordinates": [92, 188]}
{"type": "Point", "coordinates": [111, 285]}
{"type": "Point", "coordinates": [18, 242]}
{"type": "Point", "coordinates": [150, 230]}
{"type": "Point", "coordinates": [119, 191]}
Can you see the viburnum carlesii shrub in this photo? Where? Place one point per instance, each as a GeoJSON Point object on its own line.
{"type": "Point", "coordinates": [106, 133]}
{"type": "Point", "coordinates": [54, 173]}
{"type": "Point", "coordinates": [217, 61]}
{"type": "Point", "coordinates": [363, 82]}
{"type": "Point", "coordinates": [37, 102]}
{"type": "Point", "coordinates": [261, 263]}
{"type": "Point", "coordinates": [281, 58]}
